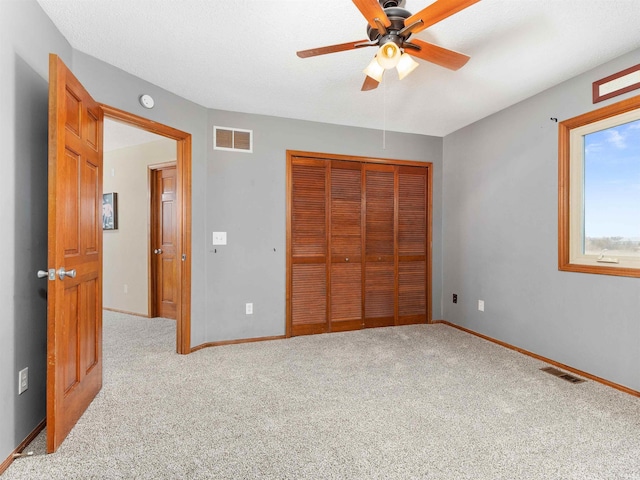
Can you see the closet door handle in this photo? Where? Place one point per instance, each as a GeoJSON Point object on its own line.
{"type": "Point", "coordinates": [346, 259]}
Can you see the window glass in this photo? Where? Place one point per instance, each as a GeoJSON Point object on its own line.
{"type": "Point", "coordinates": [612, 191]}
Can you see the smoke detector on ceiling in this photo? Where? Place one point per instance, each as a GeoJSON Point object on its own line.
{"type": "Point", "coordinates": [146, 101]}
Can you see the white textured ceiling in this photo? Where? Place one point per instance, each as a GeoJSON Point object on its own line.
{"type": "Point", "coordinates": [239, 55]}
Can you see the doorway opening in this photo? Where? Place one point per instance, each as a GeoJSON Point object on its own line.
{"type": "Point", "coordinates": [173, 252]}
{"type": "Point", "coordinates": [130, 222]}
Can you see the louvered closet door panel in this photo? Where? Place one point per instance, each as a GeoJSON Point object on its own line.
{"type": "Point", "coordinates": [379, 246]}
{"type": "Point", "coordinates": [308, 205]}
{"type": "Point", "coordinates": [346, 246]}
{"type": "Point", "coordinates": [308, 246]}
{"type": "Point", "coordinates": [309, 298]}
{"type": "Point", "coordinates": [412, 245]}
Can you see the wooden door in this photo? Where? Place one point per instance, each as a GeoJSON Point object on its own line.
{"type": "Point", "coordinates": [380, 253]}
{"type": "Point", "coordinates": [346, 246]}
{"type": "Point", "coordinates": [74, 301]}
{"type": "Point", "coordinates": [164, 230]}
{"type": "Point", "coordinates": [412, 245]}
{"type": "Point", "coordinates": [308, 246]}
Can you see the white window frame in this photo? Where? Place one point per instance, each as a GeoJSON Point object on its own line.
{"type": "Point", "coordinates": [571, 255]}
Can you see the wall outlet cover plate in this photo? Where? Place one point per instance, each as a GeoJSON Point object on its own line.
{"type": "Point", "coordinates": [23, 380]}
{"type": "Point", "coordinates": [219, 238]}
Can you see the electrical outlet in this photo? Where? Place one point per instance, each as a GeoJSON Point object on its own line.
{"type": "Point", "coordinates": [219, 238]}
{"type": "Point", "coordinates": [481, 305]}
{"type": "Point", "coordinates": [126, 288]}
{"type": "Point", "coordinates": [249, 308]}
{"type": "Point", "coordinates": [23, 380]}
{"type": "Point", "coordinates": [455, 298]}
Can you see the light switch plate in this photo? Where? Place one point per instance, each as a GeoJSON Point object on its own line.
{"type": "Point", "coordinates": [23, 380]}
{"type": "Point", "coordinates": [219, 238]}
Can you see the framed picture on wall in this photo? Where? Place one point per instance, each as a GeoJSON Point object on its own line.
{"type": "Point", "coordinates": [110, 211]}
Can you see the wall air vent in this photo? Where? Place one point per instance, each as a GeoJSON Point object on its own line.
{"type": "Point", "coordinates": [563, 375]}
{"type": "Point", "coordinates": [232, 139]}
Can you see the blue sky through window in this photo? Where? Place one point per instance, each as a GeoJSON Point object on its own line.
{"type": "Point", "coordinates": [612, 182]}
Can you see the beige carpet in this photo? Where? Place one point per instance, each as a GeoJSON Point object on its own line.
{"type": "Point", "coordinates": [424, 402]}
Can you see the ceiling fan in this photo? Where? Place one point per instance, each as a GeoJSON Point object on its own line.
{"type": "Point", "coordinates": [390, 28]}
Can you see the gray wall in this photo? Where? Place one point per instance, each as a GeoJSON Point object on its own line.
{"type": "Point", "coordinates": [246, 198]}
{"type": "Point", "coordinates": [500, 230]}
{"type": "Point", "coordinates": [24, 73]}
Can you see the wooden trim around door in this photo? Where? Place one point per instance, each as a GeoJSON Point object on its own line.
{"type": "Point", "coordinates": [183, 171]}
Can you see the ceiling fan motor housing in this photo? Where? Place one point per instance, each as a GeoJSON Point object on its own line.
{"type": "Point", "coordinates": [397, 15]}
{"type": "Point", "coordinates": [391, 3]}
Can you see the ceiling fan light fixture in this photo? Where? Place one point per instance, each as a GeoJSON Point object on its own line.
{"type": "Point", "coordinates": [406, 65]}
{"type": "Point", "coordinates": [389, 55]}
{"type": "Point", "coordinates": [374, 70]}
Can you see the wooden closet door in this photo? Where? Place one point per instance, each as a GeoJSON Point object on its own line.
{"type": "Point", "coordinates": [346, 246]}
{"type": "Point", "coordinates": [379, 283]}
{"type": "Point", "coordinates": [412, 245]}
{"type": "Point", "coordinates": [358, 243]}
{"type": "Point", "coordinates": [309, 246]}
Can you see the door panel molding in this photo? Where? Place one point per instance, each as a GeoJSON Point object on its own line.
{"type": "Point", "coordinates": [183, 172]}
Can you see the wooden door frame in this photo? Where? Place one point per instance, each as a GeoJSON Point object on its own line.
{"type": "Point", "coordinates": [366, 160]}
{"type": "Point", "coordinates": [183, 173]}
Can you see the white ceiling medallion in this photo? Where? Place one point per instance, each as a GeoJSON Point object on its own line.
{"type": "Point", "coordinates": [146, 101]}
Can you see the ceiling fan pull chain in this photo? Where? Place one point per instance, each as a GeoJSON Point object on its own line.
{"type": "Point", "coordinates": [384, 116]}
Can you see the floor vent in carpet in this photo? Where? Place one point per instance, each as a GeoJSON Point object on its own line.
{"type": "Point", "coordinates": [563, 375]}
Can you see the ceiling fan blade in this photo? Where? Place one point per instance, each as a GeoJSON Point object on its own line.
{"type": "Point", "coordinates": [369, 83]}
{"type": "Point", "coordinates": [371, 10]}
{"type": "Point", "coordinates": [440, 56]}
{"type": "Point", "coordinates": [436, 12]}
{"type": "Point", "coordinates": [312, 52]}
